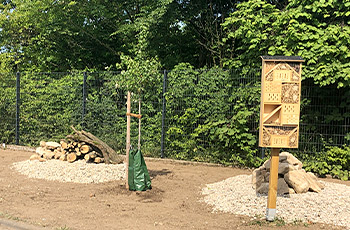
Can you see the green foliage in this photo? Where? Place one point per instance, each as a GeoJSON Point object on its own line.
{"type": "Point", "coordinates": [7, 107]}
{"type": "Point", "coordinates": [208, 116]}
{"type": "Point", "coordinates": [316, 31]}
{"type": "Point", "coordinates": [334, 161]}
{"type": "Point", "coordinates": [49, 106]}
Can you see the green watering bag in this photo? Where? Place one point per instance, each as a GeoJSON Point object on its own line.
{"type": "Point", "coordinates": [138, 178]}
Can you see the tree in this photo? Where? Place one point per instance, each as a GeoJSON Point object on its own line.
{"type": "Point", "coordinates": [316, 31]}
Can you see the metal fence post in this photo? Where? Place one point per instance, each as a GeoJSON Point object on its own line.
{"type": "Point", "coordinates": [163, 115]}
{"type": "Point", "coordinates": [18, 101]}
{"type": "Point", "coordinates": [84, 101]}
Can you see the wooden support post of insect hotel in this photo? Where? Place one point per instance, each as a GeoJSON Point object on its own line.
{"type": "Point", "coordinates": [279, 113]}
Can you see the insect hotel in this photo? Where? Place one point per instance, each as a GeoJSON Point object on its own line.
{"type": "Point", "coordinates": [279, 114]}
{"type": "Point", "coordinates": [280, 101]}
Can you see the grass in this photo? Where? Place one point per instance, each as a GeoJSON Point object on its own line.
{"type": "Point", "coordinates": [12, 217]}
{"type": "Point", "coordinates": [278, 222]}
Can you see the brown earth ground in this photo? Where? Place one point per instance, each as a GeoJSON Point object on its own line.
{"type": "Point", "coordinates": [173, 203]}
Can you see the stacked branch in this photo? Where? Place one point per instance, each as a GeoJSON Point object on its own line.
{"type": "Point", "coordinates": [80, 145]}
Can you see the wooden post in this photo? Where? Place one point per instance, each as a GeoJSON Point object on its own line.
{"type": "Point", "coordinates": [272, 196]}
{"type": "Point", "coordinates": [128, 122]}
{"type": "Point", "coordinates": [139, 140]}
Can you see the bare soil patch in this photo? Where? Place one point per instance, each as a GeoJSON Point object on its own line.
{"type": "Point", "coordinates": [173, 202]}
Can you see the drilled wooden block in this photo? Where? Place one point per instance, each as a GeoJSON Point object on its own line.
{"type": "Point", "coordinates": [290, 114]}
{"type": "Point", "coordinates": [282, 75]}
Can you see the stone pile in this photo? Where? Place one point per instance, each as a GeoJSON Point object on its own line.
{"type": "Point", "coordinates": [291, 177]}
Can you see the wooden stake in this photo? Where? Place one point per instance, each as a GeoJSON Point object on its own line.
{"type": "Point", "coordinates": [139, 139]}
{"type": "Point", "coordinates": [128, 122]}
{"type": "Point", "coordinates": [272, 196]}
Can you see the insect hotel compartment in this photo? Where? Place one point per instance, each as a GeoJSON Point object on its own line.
{"type": "Point", "coordinates": [272, 114]}
{"type": "Point", "coordinates": [272, 92]}
{"type": "Point", "coordinates": [279, 137]}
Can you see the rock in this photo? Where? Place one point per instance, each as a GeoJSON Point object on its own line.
{"type": "Point", "coordinates": [263, 188]}
{"type": "Point", "coordinates": [291, 190]}
{"type": "Point", "coordinates": [282, 187]}
{"type": "Point", "coordinates": [297, 181]}
{"type": "Point", "coordinates": [34, 157]}
{"type": "Point", "coordinates": [313, 183]}
{"type": "Point", "coordinates": [289, 158]}
{"type": "Point", "coordinates": [284, 168]}
{"type": "Point", "coordinates": [316, 179]}
{"type": "Point", "coordinates": [267, 164]}
{"type": "Point", "coordinates": [267, 177]}
{"type": "Point", "coordinates": [258, 177]}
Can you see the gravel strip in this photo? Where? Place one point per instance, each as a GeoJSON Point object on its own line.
{"type": "Point", "coordinates": [236, 195]}
{"type": "Point", "coordinates": [77, 172]}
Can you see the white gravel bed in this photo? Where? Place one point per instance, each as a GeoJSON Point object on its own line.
{"type": "Point", "coordinates": [77, 172]}
{"type": "Point", "coordinates": [236, 195]}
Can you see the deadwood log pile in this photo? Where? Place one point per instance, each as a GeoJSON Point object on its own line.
{"type": "Point", "coordinates": [79, 145]}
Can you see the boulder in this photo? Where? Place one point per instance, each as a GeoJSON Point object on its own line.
{"type": "Point", "coordinates": [290, 159]}
{"type": "Point", "coordinates": [263, 188]}
{"type": "Point", "coordinates": [284, 168]}
{"type": "Point", "coordinates": [313, 184]}
{"type": "Point", "coordinates": [310, 174]}
{"type": "Point", "coordinates": [282, 187]}
{"type": "Point", "coordinates": [258, 177]}
{"type": "Point", "coordinates": [297, 181]}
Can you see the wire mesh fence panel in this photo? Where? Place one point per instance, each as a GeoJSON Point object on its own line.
{"type": "Point", "coordinates": [50, 104]}
{"type": "Point", "coordinates": [325, 118]}
{"type": "Point", "coordinates": [8, 108]}
{"type": "Point", "coordinates": [209, 115]}
{"type": "Point", "coordinates": [106, 112]}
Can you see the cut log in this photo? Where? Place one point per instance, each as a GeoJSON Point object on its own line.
{"type": "Point", "coordinates": [63, 157]}
{"type": "Point", "coordinates": [85, 149]}
{"type": "Point", "coordinates": [109, 155]}
{"type": "Point", "coordinates": [77, 151]}
{"type": "Point", "coordinates": [57, 155]}
{"type": "Point", "coordinates": [98, 160]}
{"type": "Point", "coordinates": [64, 144]}
{"type": "Point", "coordinates": [42, 160]}
{"type": "Point", "coordinates": [40, 151]}
{"type": "Point", "coordinates": [49, 155]}
{"type": "Point", "coordinates": [71, 157]}
{"type": "Point", "coordinates": [42, 144]}
{"type": "Point", "coordinates": [89, 157]}
{"type": "Point", "coordinates": [34, 157]}
{"type": "Point", "coordinates": [52, 145]}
